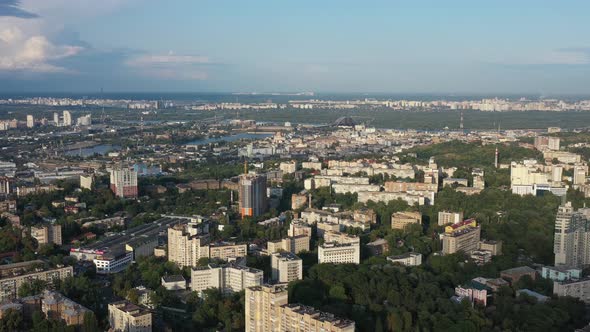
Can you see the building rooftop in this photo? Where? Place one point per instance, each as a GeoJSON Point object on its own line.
{"type": "Point", "coordinates": [518, 270]}
{"type": "Point", "coordinates": [173, 278]}
{"type": "Point", "coordinates": [404, 256]}
{"type": "Point", "coordinates": [378, 242]}
{"type": "Point", "coordinates": [319, 315]}
{"type": "Point", "coordinates": [286, 255]}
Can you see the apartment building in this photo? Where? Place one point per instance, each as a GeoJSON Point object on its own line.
{"type": "Point", "coordinates": [400, 220]}
{"type": "Point", "coordinates": [124, 182]}
{"type": "Point", "coordinates": [268, 310]}
{"type": "Point", "coordinates": [299, 227]}
{"type": "Point", "coordinates": [125, 316]}
{"type": "Point", "coordinates": [292, 244]}
{"type": "Point", "coordinates": [579, 289]}
{"type": "Point", "coordinates": [302, 318]}
{"type": "Point", "coordinates": [447, 217]}
{"type": "Point", "coordinates": [262, 305]}
{"type": "Point", "coordinates": [47, 234]}
{"type": "Point", "coordinates": [227, 250]}
{"type": "Point", "coordinates": [13, 276]}
{"type": "Point", "coordinates": [286, 267]}
{"type": "Point", "coordinates": [464, 238]}
{"type": "Point", "coordinates": [185, 245]}
{"type": "Point", "coordinates": [572, 236]}
{"type": "Point", "coordinates": [229, 278]}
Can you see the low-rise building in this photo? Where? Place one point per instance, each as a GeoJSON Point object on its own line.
{"type": "Point", "coordinates": [513, 275]}
{"type": "Point", "coordinates": [476, 292]}
{"type": "Point", "coordinates": [481, 257]}
{"type": "Point", "coordinates": [174, 282]}
{"type": "Point", "coordinates": [579, 289]}
{"type": "Point", "coordinates": [378, 247]}
{"type": "Point", "coordinates": [125, 316]}
{"type": "Point", "coordinates": [561, 273]}
{"type": "Point", "coordinates": [407, 259]}
{"type": "Point", "coordinates": [339, 253]}
{"type": "Point", "coordinates": [13, 276]}
{"type": "Point", "coordinates": [494, 247]}
{"type": "Point", "coordinates": [400, 220]}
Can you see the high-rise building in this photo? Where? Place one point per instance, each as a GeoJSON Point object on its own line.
{"type": "Point", "coordinates": [262, 305]}
{"type": "Point", "coordinates": [580, 175]}
{"type": "Point", "coordinates": [286, 267]}
{"type": "Point", "coordinates": [228, 278]}
{"type": "Point", "coordinates": [124, 182]}
{"type": "Point", "coordinates": [463, 237]}
{"type": "Point", "coordinates": [48, 233]}
{"type": "Point", "coordinates": [67, 118]}
{"type": "Point", "coordinates": [572, 237]}
{"type": "Point", "coordinates": [30, 121]}
{"type": "Point", "coordinates": [56, 119]}
{"type": "Point", "coordinates": [86, 181]}
{"type": "Point", "coordinates": [125, 316]}
{"type": "Point", "coordinates": [302, 318]}
{"type": "Point", "coordinates": [267, 310]}
{"type": "Point", "coordinates": [185, 245]}
{"type": "Point", "coordinates": [252, 189]}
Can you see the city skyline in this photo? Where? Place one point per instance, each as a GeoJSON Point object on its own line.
{"type": "Point", "coordinates": [381, 47]}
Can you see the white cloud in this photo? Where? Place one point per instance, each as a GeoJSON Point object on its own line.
{"type": "Point", "coordinates": [26, 45]}
{"type": "Point", "coordinates": [19, 52]}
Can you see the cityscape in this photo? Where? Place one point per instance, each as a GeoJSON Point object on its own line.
{"type": "Point", "coordinates": [293, 208]}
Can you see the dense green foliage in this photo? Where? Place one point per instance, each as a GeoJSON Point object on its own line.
{"type": "Point", "coordinates": [384, 297]}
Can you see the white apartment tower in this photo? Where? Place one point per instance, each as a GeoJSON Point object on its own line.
{"type": "Point", "coordinates": [185, 246]}
{"type": "Point", "coordinates": [286, 267]}
{"type": "Point", "coordinates": [67, 118]}
{"type": "Point", "coordinates": [30, 121]}
{"type": "Point", "coordinates": [572, 237]}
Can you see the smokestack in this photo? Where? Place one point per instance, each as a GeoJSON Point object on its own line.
{"type": "Point", "coordinates": [496, 159]}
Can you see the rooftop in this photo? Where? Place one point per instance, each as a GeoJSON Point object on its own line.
{"type": "Point", "coordinates": [173, 278]}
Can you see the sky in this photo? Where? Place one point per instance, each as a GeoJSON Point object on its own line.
{"type": "Point", "coordinates": [452, 46]}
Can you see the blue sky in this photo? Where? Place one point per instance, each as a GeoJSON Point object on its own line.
{"type": "Point", "coordinates": [540, 47]}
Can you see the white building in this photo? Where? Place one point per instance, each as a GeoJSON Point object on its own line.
{"type": "Point", "coordinates": [30, 121]}
{"type": "Point", "coordinates": [228, 278]}
{"type": "Point", "coordinates": [407, 259]}
{"type": "Point", "coordinates": [339, 253]}
{"type": "Point", "coordinates": [67, 118]}
{"type": "Point", "coordinates": [579, 289]}
{"type": "Point", "coordinates": [286, 267]}
{"type": "Point", "coordinates": [128, 317]}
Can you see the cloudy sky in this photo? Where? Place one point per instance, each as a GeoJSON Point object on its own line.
{"type": "Point", "coordinates": [450, 46]}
